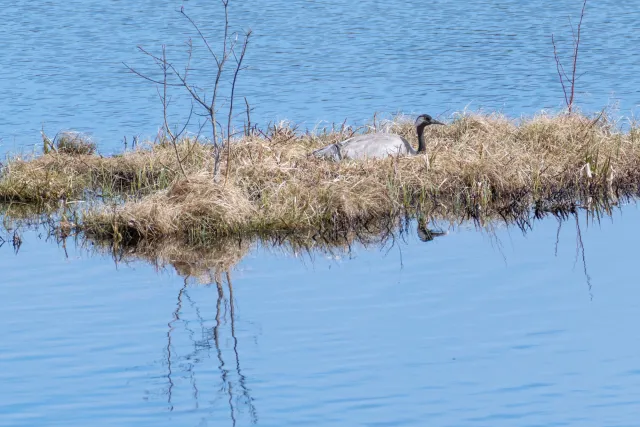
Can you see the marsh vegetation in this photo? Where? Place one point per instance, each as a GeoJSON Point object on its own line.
{"type": "Point", "coordinates": [479, 167]}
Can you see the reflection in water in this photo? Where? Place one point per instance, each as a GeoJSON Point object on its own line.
{"type": "Point", "coordinates": [579, 250]}
{"type": "Point", "coordinates": [176, 317]}
{"type": "Point", "coordinates": [212, 336]}
{"type": "Point", "coordinates": [16, 241]}
{"type": "Point", "coordinates": [233, 382]}
{"type": "Point", "coordinates": [208, 263]}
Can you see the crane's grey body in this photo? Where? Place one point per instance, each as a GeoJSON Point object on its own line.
{"type": "Point", "coordinates": [377, 145]}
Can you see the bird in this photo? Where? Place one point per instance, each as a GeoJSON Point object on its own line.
{"type": "Point", "coordinates": [377, 145]}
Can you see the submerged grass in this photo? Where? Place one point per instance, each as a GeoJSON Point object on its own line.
{"type": "Point", "coordinates": [479, 166]}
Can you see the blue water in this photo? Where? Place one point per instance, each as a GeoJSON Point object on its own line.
{"type": "Point", "coordinates": [472, 329]}
{"type": "Point", "coordinates": [311, 62]}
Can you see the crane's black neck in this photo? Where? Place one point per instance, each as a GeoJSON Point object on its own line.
{"type": "Point", "coordinates": [422, 147]}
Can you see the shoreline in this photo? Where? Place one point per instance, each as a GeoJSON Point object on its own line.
{"type": "Point", "coordinates": [478, 167]}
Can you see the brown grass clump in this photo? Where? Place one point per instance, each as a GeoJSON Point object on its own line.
{"type": "Point", "coordinates": [479, 166]}
{"type": "Point", "coordinates": [74, 143]}
{"type": "Point", "coordinates": [193, 210]}
{"type": "Point", "coordinates": [59, 175]}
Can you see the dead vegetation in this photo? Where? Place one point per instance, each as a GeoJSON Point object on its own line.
{"type": "Point", "coordinates": [61, 174]}
{"type": "Point", "coordinates": [480, 166]}
{"type": "Point", "coordinates": [73, 143]}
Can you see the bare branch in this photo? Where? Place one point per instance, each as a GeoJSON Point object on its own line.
{"type": "Point", "coordinates": [560, 70]}
{"type": "Point", "coordinates": [157, 59]}
{"type": "Point", "coordinates": [159, 82]}
{"type": "Point", "coordinates": [190, 52]}
{"type": "Point", "coordinates": [202, 37]}
{"type": "Point", "coordinates": [190, 147]}
{"type": "Point", "coordinates": [167, 128]}
{"type": "Point", "coordinates": [188, 87]}
{"type": "Point", "coordinates": [233, 88]}
{"type": "Point", "coordinates": [573, 30]}
{"type": "Point", "coordinates": [569, 93]}
{"type": "Point", "coordinates": [183, 79]}
{"type": "Point", "coordinates": [188, 121]}
{"type": "Point", "coordinates": [209, 103]}
{"type": "Point", "coordinates": [575, 54]}
{"type": "Point", "coordinates": [212, 107]}
{"type": "Point", "coordinates": [248, 110]}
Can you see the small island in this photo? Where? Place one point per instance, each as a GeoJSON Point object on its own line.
{"type": "Point", "coordinates": [477, 167]}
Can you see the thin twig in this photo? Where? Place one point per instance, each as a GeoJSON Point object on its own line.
{"type": "Point", "coordinates": [569, 93]}
{"type": "Point", "coordinates": [575, 55]}
{"type": "Point", "coordinates": [560, 71]}
{"type": "Point", "coordinates": [204, 39]}
{"type": "Point", "coordinates": [248, 110]}
{"type": "Point", "coordinates": [233, 88]}
{"type": "Point", "coordinates": [167, 128]}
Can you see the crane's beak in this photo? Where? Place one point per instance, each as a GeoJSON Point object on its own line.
{"type": "Point", "coordinates": [435, 122]}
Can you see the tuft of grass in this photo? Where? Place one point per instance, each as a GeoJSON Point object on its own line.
{"type": "Point", "coordinates": [195, 210]}
{"type": "Point", "coordinates": [74, 143]}
{"type": "Point", "coordinates": [57, 175]}
{"type": "Point", "coordinates": [480, 166]}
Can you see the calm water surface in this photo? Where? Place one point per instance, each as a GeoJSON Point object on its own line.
{"type": "Point", "coordinates": [471, 329]}
{"type": "Point", "coordinates": [309, 62]}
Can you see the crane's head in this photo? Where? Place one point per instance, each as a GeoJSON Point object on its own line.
{"type": "Point", "coordinates": [425, 120]}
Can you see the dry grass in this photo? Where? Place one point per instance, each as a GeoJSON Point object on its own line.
{"type": "Point", "coordinates": [479, 166]}
{"type": "Point", "coordinates": [73, 143]}
{"type": "Point", "coordinates": [63, 174]}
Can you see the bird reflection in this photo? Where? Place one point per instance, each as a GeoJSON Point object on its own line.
{"type": "Point", "coordinates": [426, 234]}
